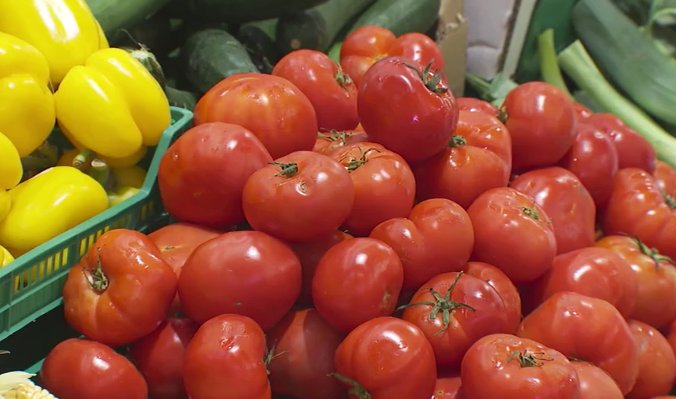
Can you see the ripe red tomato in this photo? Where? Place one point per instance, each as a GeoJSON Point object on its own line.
{"type": "Point", "coordinates": [638, 208]}
{"type": "Point", "coordinates": [362, 48]}
{"type": "Point", "coordinates": [329, 142]}
{"type": "Point", "coordinates": [355, 281]}
{"type": "Point", "coordinates": [512, 232]}
{"type": "Point", "coordinates": [273, 108]}
{"type": "Point", "coordinates": [437, 237]}
{"type": "Point", "coordinates": [302, 349]}
{"type": "Point", "coordinates": [581, 111]}
{"type": "Point", "coordinates": [665, 176]}
{"type": "Point", "coordinates": [478, 158]}
{"type": "Point", "coordinates": [384, 185]}
{"type": "Point", "coordinates": [448, 387]}
{"type": "Point", "coordinates": [508, 367]}
{"type": "Point", "coordinates": [202, 174]}
{"type": "Point", "coordinates": [594, 382]}
{"type": "Point", "coordinates": [387, 358]}
{"type": "Point", "coordinates": [567, 203]}
{"type": "Point", "coordinates": [420, 48]}
{"type": "Point", "coordinates": [407, 108]}
{"type": "Point", "coordinates": [225, 360]}
{"type": "Point", "coordinates": [120, 290]}
{"type": "Point", "coordinates": [656, 362]}
{"type": "Point", "coordinates": [331, 91]}
{"type": "Point", "coordinates": [243, 272]}
{"type": "Point", "coordinates": [541, 121]}
{"type": "Point", "coordinates": [82, 369]}
{"type": "Point", "coordinates": [588, 329]}
{"type": "Point", "coordinates": [299, 197]}
{"type": "Point", "coordinates": [159, 356]}
{"type": "Point", "coordinates": [472, 104]}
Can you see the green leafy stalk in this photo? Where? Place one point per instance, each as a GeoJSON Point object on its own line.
{"type": "Point", "coordinates": [549, 66]}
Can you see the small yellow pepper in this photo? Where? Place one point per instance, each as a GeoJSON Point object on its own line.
{"type": "Point", "coordinates": [5, 257]}
{"type": "Point", "coordinates": [128, 181]}
{"type": "Point", "coordinates": [11, 169]}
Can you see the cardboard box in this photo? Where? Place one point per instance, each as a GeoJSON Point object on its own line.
{"type": "Point", "coordinates": [451, 36]}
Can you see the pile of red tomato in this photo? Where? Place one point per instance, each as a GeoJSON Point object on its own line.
{"type": "Point", "coordinates": [419, 246]}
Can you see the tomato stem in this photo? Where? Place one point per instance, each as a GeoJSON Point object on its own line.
{"type": "Point", "coordinates": [342, 78]}
{"type": "Point", "coordinates": [431, 79]}
{"type": "Point", "coordinates": [97, 278]}
{"type": "Point", "coordinates": [669, 200]}
{"type": "Point", "coordinates": [653, 253]}
{"type": "Point", "coordinates": [336, 135]}
{"type": "Point", "coordinates": [527, 359]}
{"type": "Point", "coordinates": [457, 141]}
{"type": "Point", "coordinates": [531, 213]}
{"type": "Point", "coordinates": [355, 163]}
{"type": "Point", "coordinates": [286, 169]}
{"type": "Point", "coordinates": [356, 389]}
{"type": "Point", "coordinates": [502, 115]}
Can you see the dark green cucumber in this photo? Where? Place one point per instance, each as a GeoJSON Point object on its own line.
{"type": "Point", "coordinates": [401, 16]}
{"type": "Point", "coordinates": [114, 15]}
{"type": "Point", "coordinates": [145, 57]}
{"type": "Point", "coordinates": [211, 55]}
{"type": "Point", "coordinates": [316, 27]}
{"type": "Point", "coordinates": [258, 38]}
{"type": "Point", "coordinates": [240, 11]}
{"type": "Point", "coordinates": [181, 98]}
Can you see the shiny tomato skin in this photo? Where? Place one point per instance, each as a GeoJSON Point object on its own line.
{"type": "Point", "coordinates": [303, 348]}
{"type": "Point", "coordinates": [245, 272]}
{"type": "Point", "coordinates": [299, 197]}
{"type": "Point", "coordinates": [478, 158]}
{"type": "Point", "coordinates": [665, 176]}
{"type": "Point", "coordinates": [448, 387]}
{"type": "Point", "coordinates": [225, 360]}
{"type": "Point", "coordinates": [586, 328]}
{"type": "Point", "coordinates": [362, 48]}
{"type": "Point", "coordinates": [541, 121]}
{"type": "Point", "coordinates": [82, 369]}
{"type": "Point", "coordinates": [671, 336]}
{"type": "Point", "coordinates": [390, 358]}
{"type": "Point", "coordinates": [492, 368]}
{"type": "Point", "coordinates": [331, 92]}
{"type": "Point", "coordinates": [159, 356]}
{"type": "Point", "coordinates": [472, 104]}
{"type": "Point", "coordinates": [357, 280]}
{"type": "Point", "coordinates": [402, 109]}
{"type": "Point", "coordinates": [656, 362]}
{"type": "Point", "coordinates": [567, 203]}
{"type": "Point", "coordinates": [594, 382]}
{"type": "Point", "coordinates": [582, 112]}
{"type": "Point", "coordinates": [437, 237]}
{"type": "Point", "coordinates": [328, 142]}
{"type": "Point", "coordinates": [420, 48]}
{"type": "Point", "coordinates": [271, 107]}
{"type": "Point", "coordinates": [202, 174]}
{"type": "Point", "coordinates": [512, 232]}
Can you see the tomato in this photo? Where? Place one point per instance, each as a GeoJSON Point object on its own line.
{"type": "Point", "coordinates": [595, 383]}
{"type": "Point", "coordinates": [512, 232]}
{"type": "Point", "coordinates": [274, 109]}
{"type": "Point", "coordinates": [82, 369]}
{"type": "Point", "coordinates": [665, 176]}
{"type": "Point", "coordinates": [671, 336]}
{"type": "Point", "coordinates": [593, 159]}
{"type": "Point", "coordinates": [244, 272]}
{"type": "Point", "coordinates": [472, 104]}
{"type": "Point", "coordinates": [362, 48]}
{"type": "Point", "coordinates": [565, 200]}
{"type": "Point", "coordinates": [508, 367]}
{"type": "Point", "coordinates": [453, 310]}
{"type": "Point", "coordinates": [656, 362]}
{"type": "Point", "coordinates": [420, 48]}
{"type": "Point", "coordinates": [159, 356]}
{"type": "Point", "coordinates": [588, 329]}
{"type": "Point", "coordinates": [225, 360]}
{"type": "Point", "coordinates": [303, 346]}
{"type": "Point", "coordinates": [437, 237]}
{"type": "Point", "coordinates": [582, 112]}
{"type": "Point", "coordinates": [299, 197]}
{"type": "Point", "coordinates": [638, 208]}
{"type": "Point", "coordinates": [120, 290]}
{"type": "Point", "coordinates": [541, 121]}
{"type": "Point", "coordinates": [478, 158]}
{"type": "Point", "coordinates": [202, 174]}
{"type": "Point", "coordinates": [448, 387]}
{"type": "Point", "coordinates": [331, 92]}
{"type": "Point", "coordinates": [329, 142]}
{"type": "Point", "coordinates": [656, 280]}
{"type": "Point", "coordinates": [357, 280]}
{"type": "Point", "coordinates": [384, 185]}
{"type": "Point", "coordinates": [388, 358]}
{"type": "Point", "coordinates": [407, 108]}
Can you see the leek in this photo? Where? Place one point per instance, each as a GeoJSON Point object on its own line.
{"type": "Point", "coordinates": [549, 67]}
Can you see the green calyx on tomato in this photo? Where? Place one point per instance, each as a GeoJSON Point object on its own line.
{"type": "Point", "coordinates": [432, 80]}
{"type": "Point", "coordinates": [531, 213]}
{"type": "Point", "coordinates": [97, 278]}
{"type": "Point", "coordinates": [653, 253]}
{"type": "Point", "coordinates": [286, 169]}
{"type": "Point", "coordinates": [457, 141]}
{"type": "Point", "coordinates": [355, 163]}
{"type": "Point", "coordinates": [356, 389]}
{"type": "Point", "coordinates": [342, 78]}
{"type": "Point", "coordinates": [669, 200]}
{"type": "Point", "coordinates": [527, 359]}
{"type": "Point", "coordinates": [336, 135]}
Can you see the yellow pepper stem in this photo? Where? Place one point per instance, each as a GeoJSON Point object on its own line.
{"type": "Point", "coordinates": [83, 160]}
{"type": "Point", "coordinates": [102, 173]}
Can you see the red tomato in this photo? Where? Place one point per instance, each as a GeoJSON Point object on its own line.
{"type": "Point", "coordinates": [638, 208]}
{"type": "Point", "coordinates": [202, 174]}
{"type": "Point", "coordinates": [565, 200]}
{"type": "Point", "coordinates": [665, 176]}
{"type": "Point", "coordinates": [384, 185]}
{"type": "Point", "coordinates": [541, 121]}
{"type": "Point", "coordinates": [299, 197]}
{"type": "Point", "coordinates": [420, 48]}
{"type": "Point", "coordinates": [472, 104]}
{"type": "Point", "coordinates": [159, 356]}
{"type": "Point", "coordinates": [437, 237]}
{"type": "Point", "coordinates": [362, 48]}
{"type": "Point", "coordinates": [355, 281]}
{"type": "Point", "coordinates": [273, 108]}
{"type": "Point", "coordinates": [448, 387]}
{"type": "Point", "coordinates": [331, 92]}
{"type": "Point", "coordinates": [581, 111]}
{"type": "Point", "coordinates": [588, 329]}
{"type": "Point", "coordinates": [407, 108]}
{"type": "Point", "coordinates": [243, 272]}
{"type": "Point", "coordinates": [656, 362]}
{"type": "Point", "coordinates": [81, 369]}
{"type": "Point", "coordinates": [329, 142]}
{"type": "Point", "coordinates": [388, 358]}
{"type": "Point", "coordinates": [595, 383]}
{"type": "Point", "coordinates": [120, 290]}
{"type": "Point", "coordinates": [303, 348]}
{"type": "Point", "coordinates": [512, 232]}
{"type": "Point", "coordinates": [225, 360]}
{"type": "Point", "coordinates": [508, 367]}
{"type": "Point", "coordinates": [672, 336]}
{"type": "Point", "coordinates": [478, 158]}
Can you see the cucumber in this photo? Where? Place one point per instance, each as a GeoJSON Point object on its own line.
{"type": "Point", "coordinates": [211, 55]}
{"type": "Point", "coordinates": [316, 27]}
{"type": "Point", "coordinates": [114, 15]}
{"type": "Point", "coordinates": [181, 98]}
{"type": "Point", "coordinates": [258, 40]}
{"type": "Point", "coordinates": [149, 61]}
{"type": "Point", "coordinates": [401, 16]}
{"type": "Point", "coordinates": [240, 11]}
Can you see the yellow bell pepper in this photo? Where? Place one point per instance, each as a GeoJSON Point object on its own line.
{"type": "Point", "coordinates": [65, 31]}
{"type": "Point", "coordinates": [26, 102]}
{"type": "Point", "coordinates": [128, 181]}
{"type": "Point", "coordinates": [11, 169]}
{"type": "Point", "coordinates": [5, 257]}
{"type": "Point", "coordinates": [49, 204]}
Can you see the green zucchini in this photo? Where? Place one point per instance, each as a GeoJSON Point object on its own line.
{"type": "Point", "coordinates": [401, 16]}
{"type": "Point", "coordinates": [258, 38]}
{"type": "Point", "coordinates": [240, 11]}
{"type": "Point", "coordinates": [114, 15]}
{"type": "Point", "coordinates": [181, 98]}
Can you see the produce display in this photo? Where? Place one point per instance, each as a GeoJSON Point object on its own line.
{"type": "Point", "coordinates": [335, 223]}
